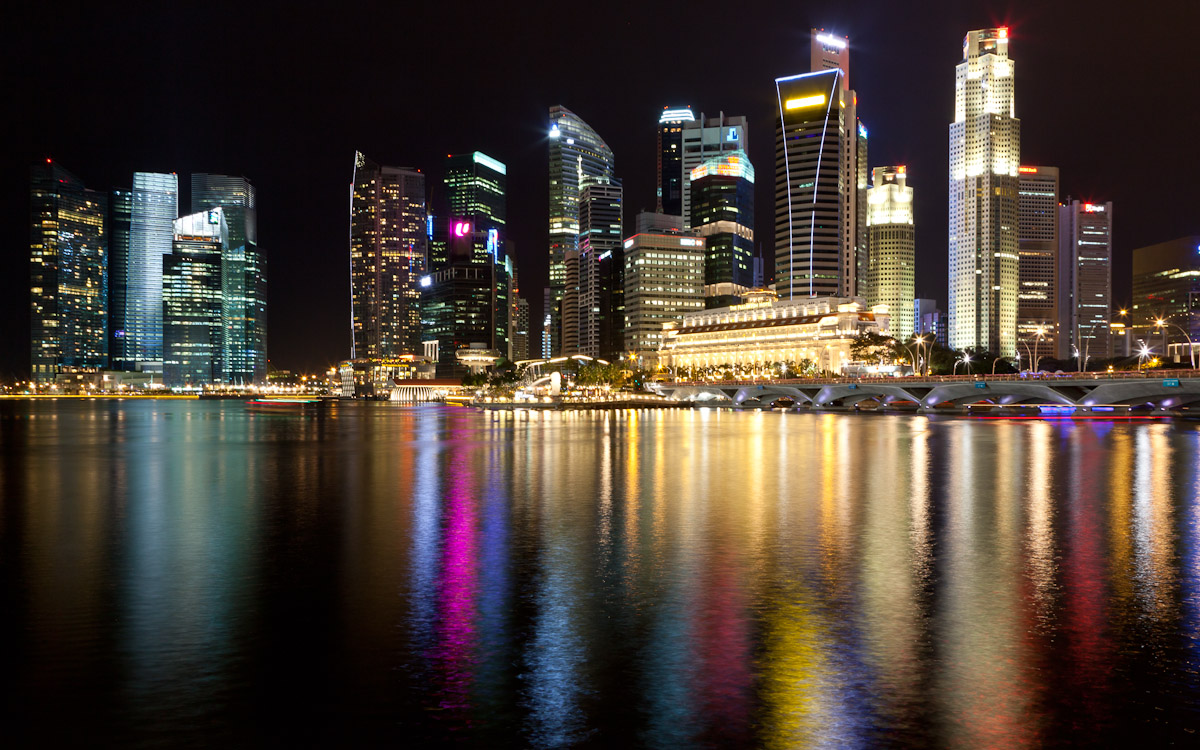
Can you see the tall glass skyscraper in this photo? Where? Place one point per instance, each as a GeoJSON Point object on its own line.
{"type": "Point", "coordinates": [194, 322]}
{"type": "Point", "coordinates": [151, 233]}
{"type": "Point", "coordinates": [120, 214]}
{"type": "Point", "coordinates": [985, 152]}
{"type": "Point", "coordinates": [1085, 263]}
{"type": "Point", "coordinates": [243, 275]}
{"type": "Point", "coordinates": [68, 249]}
{"type": "Point", "coordinates": [672, 182]}
{"type": "Point", "coordinates": [576, 152]}
{"type": "Point", "coordinates": [722, 190]}
{"type": "Point", "coordinates": [704, 139]}
{"type": "Point", "coordinates": [892, 238]}
{"type": "Point", "coordinates": [388, 232]}
{"type": "Point", "coordinates": [601, 294]}
{"type": "Point", "coordinates": [1037, 264]}
{"type": "Point", "coordinates": [476, 189]}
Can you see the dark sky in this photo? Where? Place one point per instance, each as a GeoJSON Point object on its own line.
{"type": "Point", "coordinates": [285, 93]}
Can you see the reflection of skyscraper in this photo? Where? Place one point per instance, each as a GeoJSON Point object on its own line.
{"type": "Point", "coordinates": [68, 283]}
{"type": "Point", "coordinates": [576, 152]}
{"type": "Point", "coordinates": [244, 275]}
{"type": "Point", "coordinates": [151, 232]}
{"type": "Point", "coordinates": [985, 151]}
{"type": "Point", "coordinates": [893, 246]}
{"type": "Point", "coordinates": [388, 233]}
{"type": "Point", "coordinates": [672, 182]}
{"type": "Point", "coordinates": [722, 200]}
{"type": "Point", "coordinates": [194, 325]}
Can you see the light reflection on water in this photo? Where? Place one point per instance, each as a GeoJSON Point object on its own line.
{"type": "Point", "coordinates": [191, 572]}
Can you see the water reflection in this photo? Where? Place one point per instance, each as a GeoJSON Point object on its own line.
{"type": "Point", "coordinates": [641, 578]}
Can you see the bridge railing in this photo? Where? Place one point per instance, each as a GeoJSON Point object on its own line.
{"type": "Point", "coordinates": [1032, 377]}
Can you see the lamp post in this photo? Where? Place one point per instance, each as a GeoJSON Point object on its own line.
{"type": "Point", "coordinates": [966, 360]}
{"type": "Point", "coordinates": [1162, 323]}
{"type": "Point", "coordinates": [1143, 353]}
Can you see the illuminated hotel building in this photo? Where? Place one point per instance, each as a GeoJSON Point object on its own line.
{"type": "Point", "coordinates": [576, 152]}
{"type": "Point", "coordinates": [1166, 285]}
{"type": "Point", "coordinates": [194, 326]}
{"type": "Point", "coordinates": [664, 278]}
{"type": "Point", "coordinates": [722, 191]}
{"type": "Point", "coordinates": [765, 330]}
{"type": "Point", "coordinates": [672, 182]}
{"type": "Point", "coordinates": [388, 234]}
{"type": "Point", "coordinates": [891, 237]}
{"type": "Point", "coordinates": [243, 276]}
{"type": "Point", "coordinates": [151, 234]}
{"type": "Point", "coordinates": [1085, 271]}
{"type": "Point", "coordinates": [820, 177]}
{"type": "Point", "coordinates": [68, 285]}
{"type": "Point", "coordinates": [985, 147]}
{"type": "Point", "coordinates": [704, 139]}
{"type": "Point", "coordinates": [1037, 265]}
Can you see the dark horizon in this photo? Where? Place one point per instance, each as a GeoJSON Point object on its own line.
{"type": "Point", "coordinates": [285, 99]}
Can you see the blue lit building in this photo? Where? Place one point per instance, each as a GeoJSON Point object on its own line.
{"type": "Point", "coordinates": [151, 233]}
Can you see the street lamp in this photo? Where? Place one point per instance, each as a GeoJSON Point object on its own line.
{"type": "Point", "coordinates": [1143, 353]}
{"type": "Point", "coordinates": [1162, 323]}
{"type": "Point", "coordinates": [966, 360]}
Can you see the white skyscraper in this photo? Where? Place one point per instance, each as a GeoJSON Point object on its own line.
{"type": "Point", "coordinates": [892, 240]}
{"type": "Point", "coordinates": [985, 149]}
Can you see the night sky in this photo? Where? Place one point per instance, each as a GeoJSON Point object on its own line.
{"type": "Point", "coordinates": [1107, 91]}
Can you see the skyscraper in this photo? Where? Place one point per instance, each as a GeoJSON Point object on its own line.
{"type": "Point", "coordinates": [705, 139]}
{"type": "Point", "coordinates": [722, 202]}
{"type": "Point", "coordinates": [388, 232]}
{"type": "Point", "coordinates": [891, 237]}
{"type": "Point", "coordinates": [194, 322]}
{"type": "Point", "coordinates": [985, 151]}
{"type": "Point", "coordinates": [576, 152]}
{"type": "Point", "coordinates": [664, 278]}
{"type": "Point", "coordinates": [1037, 258]}
{"type": "Point", "coordinates": [120, 216]}
{"type": "Point", "coordinates": [476, 190]}
{"type": "Point", "coordinates": [68, 249]}
{"type": "Point", "coordinates": [243, 275]}
{"type": "Point", "coordinates": [151, 234]}
{"type": "Point", "coordinates": [1085, 272]}
{"type": "Point", "coordinates": [601, 296]}
{"type": "Point", "coordinates": [671, 178]}
{"type": "Point", "coordinates": [1166, 286]}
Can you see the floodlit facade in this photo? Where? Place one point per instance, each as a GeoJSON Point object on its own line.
{"type": "Point", "coordinates": [576, 152]}
{"type": "Point", "coordinates": [985, 151]}
{"type": "Point", "coordinates": [151, 234]}
{"type": "Point", "coordinates": [194, 326]}
{"type": "Point", "coordinates": [722, 204]}
{"type": "Point", "coordinates": [388, 234]}
{"type": "Point", "coordinates": [243, 275]}
{"type": "Point", "coordinates": [1038, 264]}
{"type": "Point", "coordinates": [765, 330]}
{"type": "Point", "coordinates": [1085, 270]}
{"type": "Point", "coordinates": [664, 278]}
{"type": "Point", "coordinates": [672, 182]}
{"type": "Point", "coordinates": [68, 253]}
{"type": "Point", "coordinates": [891, 236]}
{"type": "Point", "coordinates": [703, 139]}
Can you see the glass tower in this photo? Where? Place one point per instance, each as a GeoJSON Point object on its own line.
{"type": "Point", "coordinates": [476, 187]}
{"type": "Point", "coordinates": [985, 152]}
{"type": "Point", "coordinates": [672, 181]}
{"type": "Point", "coordinates": [120, 214]}
{"type": "Point", "coordinates": [722, 190]}
{"type": "Point", "coordinates": [243, 276]}
{"type": "Point", "coordinates": [1037, 251]}
{"type": "Point", "coordinates": [1085, 257]}
{"type": "Point", "coordinates": [194, 324]}
{"type": "Point", "coordinates": [704, 139]}
{"type": "Point", "coordinates": [151, 233]}
{"type": "Point", "coordinates": [68, 283]}
{"type": "Point", "coordinates": [388, 232]}
{"type": "Point", "coordinates": [576, 152]}
{"type": "Point", "coordinates": [601, 294]}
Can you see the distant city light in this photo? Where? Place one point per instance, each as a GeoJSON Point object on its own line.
{"type": "Point", "coordinates": [805, 101]}
{"type": "Point", "coordinates": [830, 40]}
{"type": "Point", "coordinates": [461, 228]}
{"type": "Point", "coordinates": [426, 280]}
{"type": "Point", "coordinates": [554, 131]}
{"type": "Point", "coordinates": [677, 115]}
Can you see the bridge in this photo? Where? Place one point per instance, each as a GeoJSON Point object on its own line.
{"type": "Point", "coordinates": [1162, 392]}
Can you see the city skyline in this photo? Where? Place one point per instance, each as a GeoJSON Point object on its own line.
{"type": "Point", "coordinates": [905, 109]}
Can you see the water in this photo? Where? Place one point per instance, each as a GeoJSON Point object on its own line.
{"type": "Point", "coordinates": [193, 574]}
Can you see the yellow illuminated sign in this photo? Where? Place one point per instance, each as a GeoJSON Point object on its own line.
{"type": "Point", "coordinates": [805, 101]}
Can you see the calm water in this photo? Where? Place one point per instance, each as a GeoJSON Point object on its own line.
{"type": "Point", "coordinates": [191, 573]}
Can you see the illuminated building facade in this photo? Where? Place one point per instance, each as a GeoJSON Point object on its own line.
{"type": "Point", "coordinates": [672, 182]}
{"type": "Point", "coordinates": [664, 278]}
{"type": "Point", "coordinates": [520, 328]}
{"type": "Point", "coordinates": [477, 190]}
{"type": "Point", "coordinates": [1166, 286]}
{"type": "Point", "coordinates": [576, 152]}
{"type": "Point", "coordinates": [765, 330]}
{"type": "Point", "coordinates": [1037, 265]}
{"type": "Point", "coordinates": [194, 326]}
{"type": "Point", "coordinates": [891, 237]}
{"type": "Point", "coordinates": [120, 214]}
{"type": "Point", "coordinates": [388, 233]}
{"type": "Point", "coordinates": [243, 276]}
{"type": "Point", "coordinates": [68, 253]}
{"type": "Point", "coordinates": [601, 291]}
{"type": "Point", "coordinates": [722, 204]}
{"type": "Point", "coordinates": [985, 146]}
{"type": "Point", "coordinates": [151, 234]}
{"type": "Point", "coordinates": [704, 139]}
{"type": "Point", "coordinates": [1085, 271]}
